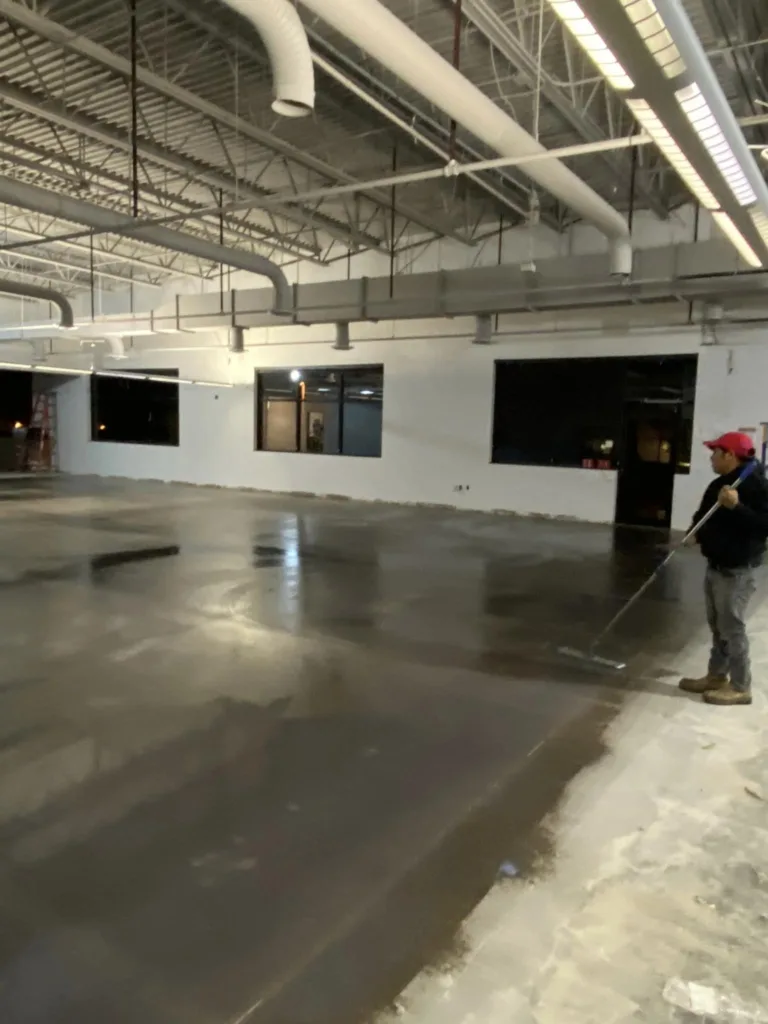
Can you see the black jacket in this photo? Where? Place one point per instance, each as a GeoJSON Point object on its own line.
{"type": "Point", "coordinates": [735, 538]}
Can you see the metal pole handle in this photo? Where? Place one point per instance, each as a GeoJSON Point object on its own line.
{"type": "Point", "coordinates": [747, 471]}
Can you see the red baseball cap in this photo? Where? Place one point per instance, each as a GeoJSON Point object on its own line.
{"type": "Point", "coordinates": [740, 445]}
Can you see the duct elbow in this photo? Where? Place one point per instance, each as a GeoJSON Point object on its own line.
{"type": "Point", "coordinates": [621, 258]}
{"type": "Point", "coordinates": [283, 304]}
{"type": "Point", "coordinates": [67, 322]}
{"type": "Point", "coordinates": [293, 73]}
{"type": "Point", "coordinates": [28, 291]}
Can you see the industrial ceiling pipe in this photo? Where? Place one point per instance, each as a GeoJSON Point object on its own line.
{"type": "Point", "coordinates": [30, 291]}
{"type": "Point", "coordinates": [342, 343]}
{"type": "Point", "coordinates": [373, 28]}
{"type": "Point", "coordinates": [53, 204]}
{"type": "Point", "coordinates": [286, 43]}
{"type": "Point", "coordinates": [237, 340]}
{"type": "Point", "coordinates": [483, 330]}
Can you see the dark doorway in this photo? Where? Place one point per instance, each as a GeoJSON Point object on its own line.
{"type": "Point", "coordinates": [656, 439]}
{"type": "Point", "coordinates": [647, 470]}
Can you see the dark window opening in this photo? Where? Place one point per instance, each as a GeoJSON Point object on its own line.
{"type": "Point", "coordinates": [127, 411]}
{"type": "Point", "coordinates": [573, 412]}
{"type": "Point", "coordinates": [321, 411]}
{"type": "Point", "coordinates": [18, 433]}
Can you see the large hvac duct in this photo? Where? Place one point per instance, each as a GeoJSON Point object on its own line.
{"type": "Point", "coordinates": [30, 291]}
{"type": "Point", "coordinates": [369, 25]}
{"type": "Point", "coordinates": [52, 204]}
{"type": "Point", "coordinates": [283, 35]}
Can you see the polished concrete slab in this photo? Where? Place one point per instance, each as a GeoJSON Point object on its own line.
{"type": "Point", "coordinates": [260, 756]}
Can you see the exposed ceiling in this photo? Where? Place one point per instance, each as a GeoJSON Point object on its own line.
{"type": "Point", "coordinates": [196, 101]}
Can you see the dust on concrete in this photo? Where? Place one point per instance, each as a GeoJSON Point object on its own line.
{"type": "Point", "coordinates": [658, 874]}
{"type": "Point", "coordinates": [517, 825]}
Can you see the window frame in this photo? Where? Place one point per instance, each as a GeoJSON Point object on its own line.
{"type": "Point", "coordinates": [299, 401]}
{"type": "Point", "coordinates": [689, 368]}
{"type": "Point", "coordinates": [96, 379]}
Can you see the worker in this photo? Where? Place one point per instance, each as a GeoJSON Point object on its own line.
{"type": "Point", "coordinates": [733, 542]}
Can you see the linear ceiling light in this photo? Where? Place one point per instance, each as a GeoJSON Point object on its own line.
{"type": "Point", "coordinates": [72, 371]}
{"type": "Point", "coordinates": [760, 220]}
{"type": "Point", "coordinates": [737, 240]}
{"type": "Point", "coordinates": [655, 35]}
{"type": "Point", "coordinates": [646, 117]}
{"type": "Point", "coordinates": [704, 123]}
{"type": "Point", "coordinates": [592, 43]}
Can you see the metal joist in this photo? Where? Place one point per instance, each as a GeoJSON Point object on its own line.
{"type": "Point", "coordinates": [100, 55]}
{"type": "Point", "coordinates": [115, 138]}
{"type": "Point", "coordinates": [350, 83]}
{"type": "Point", "coordinates": [499, 35]}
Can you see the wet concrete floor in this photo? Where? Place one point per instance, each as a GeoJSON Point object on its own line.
{"type": "Point", "coordinates": [260, 756]}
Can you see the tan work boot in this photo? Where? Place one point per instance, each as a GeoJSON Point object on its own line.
{"type": "Point", "coordinates": [726, 696]}
{"type": "Point", "coordinates": [706, 684]}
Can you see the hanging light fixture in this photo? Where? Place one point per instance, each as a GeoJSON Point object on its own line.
{"type": "Point", "coordinates": [593, 44]}
{"type": "Point", "coordinates": [704, 123]}
{"type": "Point", "coordinates": [648, 120]}
{"type": "Point", "coordinates": [737, 240]}
{"type": "Point", "coordinates": [692, 90]}
{"type": "Point", "coordinates": [650, 27]}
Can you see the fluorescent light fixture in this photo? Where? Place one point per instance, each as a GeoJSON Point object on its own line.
{"type": "Point", "coordinates": [159, 378]}
{"type": "Point", "coordinates": [704, 123]}
{"type": "Point", "coordinates": [655, 35]}
{"type": "Point", "coordinates": [646, 117]}
{"type": "Point", "coordinates": [44, 368]}
{"type": "Point", "coordinates": [737, 240]}
{"type": "Point", "coordinates": [72, 371]}
{"type": "Point", "coordinates": [593, 44]}
{"type": "Point", "coordinates": [760, 220]}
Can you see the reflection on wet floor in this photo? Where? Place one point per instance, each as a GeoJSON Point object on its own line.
{"type": "Point", "coordinates": [274, 750]}
{"type": "Point", "coordinates": [93, 565]}
{"type": "Point", "coordinates": [131, 556]}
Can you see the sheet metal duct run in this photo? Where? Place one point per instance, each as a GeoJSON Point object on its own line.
{"type": "Point", "coordinates": [670, 273]}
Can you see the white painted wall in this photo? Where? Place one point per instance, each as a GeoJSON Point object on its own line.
{"type": "Point", "coordinates": [437, 418]}
{"type": "Point", "coordinates": [438, 389]}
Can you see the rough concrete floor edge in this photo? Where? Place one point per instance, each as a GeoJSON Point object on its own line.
{"type": "Point", "coordinates": [658, 893]}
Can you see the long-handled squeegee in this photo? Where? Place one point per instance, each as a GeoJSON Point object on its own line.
{"type": "Point", "coordinates": [589, 655]}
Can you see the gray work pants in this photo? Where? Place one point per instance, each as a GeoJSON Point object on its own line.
{"type": "Point", "coordinates": [728, 593]}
